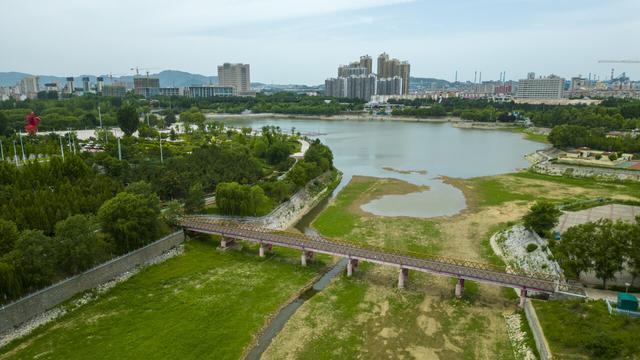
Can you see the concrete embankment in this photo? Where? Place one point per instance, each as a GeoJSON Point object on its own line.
{"type": "Point", "coordinates": [290, 212]}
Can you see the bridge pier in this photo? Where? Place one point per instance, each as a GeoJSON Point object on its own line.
{"type": "Point", "coordinates": [352, 264]}
{"type": "Point", "coordinates": [225, 243]}
{"type": "Point", "coordinates": [261, 250]}
{"type": "Point", "coordinates": [459, 288]}
{"type": "Point", "coordinates": [523, 298]}
{"type": "Point", "coordinates": [306, 255]}
{"type": "Point", "coordinates": [403, 275]}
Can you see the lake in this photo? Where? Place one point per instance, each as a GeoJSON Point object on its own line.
{"type": "Point", "coordinates": [368, 147]}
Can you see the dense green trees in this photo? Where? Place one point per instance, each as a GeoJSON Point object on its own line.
{"type": "Point", "coordinates": [194, 202]}
{"type": "Point", "coordinates": [542, 217]}
{"type": "Point", "coordinates": [130, 220]}
{"type": "Point", "coordinates": [128, 119]}
{"type": "Point", "coordinates": [235, 199]}
{"type": "Point", "coordinates": [77, 243]}
{"type": "Point", "coordinates": [565, 136]}
{"type": "Point", "coordinates": [603, 246]}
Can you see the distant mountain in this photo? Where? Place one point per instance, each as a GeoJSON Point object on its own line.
{"type": "Point", "coordinates": [418, 83]}
{"type": "Point", "coordinates": [168, 78]}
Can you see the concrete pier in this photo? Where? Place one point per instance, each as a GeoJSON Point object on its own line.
{"type": "Point", "coordinates": [303, 258]}
{"type": "Point", "coordinates": [403, 275]}
{"type": "Point", "coordinates": [261, 251]}
{"type": "Point", "coordinates": [523, 298]}
{"type": "Point", "coordinates": [459, 288]}
{"type": "Point", "coordinates": [225, 243]}
{"type": "Point", "coordinates": [351, 266]}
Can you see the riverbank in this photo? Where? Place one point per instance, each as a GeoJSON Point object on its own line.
{"type": "Point", "coordinates": [355, 117]}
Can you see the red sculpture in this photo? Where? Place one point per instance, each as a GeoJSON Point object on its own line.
{"type": "Point", "coordinates": [32, 122]}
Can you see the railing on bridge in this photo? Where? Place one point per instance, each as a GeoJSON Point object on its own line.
{"type": "Point", "coordinates": [459, 268]}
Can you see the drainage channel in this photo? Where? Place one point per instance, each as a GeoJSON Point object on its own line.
{"type": "Point", "coordinates": [277, 324]}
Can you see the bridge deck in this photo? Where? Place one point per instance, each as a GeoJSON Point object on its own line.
{"type": "Point", "coordinates": [457, 268]}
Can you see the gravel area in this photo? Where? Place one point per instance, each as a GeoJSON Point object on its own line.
{"type": "Point", "coordinates": [517, 337]}
{"type": "Point", "coordinates": [511, 246]}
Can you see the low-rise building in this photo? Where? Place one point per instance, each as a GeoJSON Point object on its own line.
{"type": "Point", "coordinates": [211, 91]}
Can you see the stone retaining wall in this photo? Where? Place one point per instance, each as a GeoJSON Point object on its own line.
{"type": "Point", "coordinates": [22, 310]}
{"type": "Point", "coordinates": [538, 334]}
{"type": "Point", "coordinates": [584, 171]}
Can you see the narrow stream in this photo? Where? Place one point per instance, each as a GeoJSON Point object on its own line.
{"type": "Point", "coordinates": [278, 322]}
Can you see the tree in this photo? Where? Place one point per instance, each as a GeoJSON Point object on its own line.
{"type": "Point", "coordinates": [634, 250]}
{"type": "Point", "coordinates": [129, 220]}
{"type": "Point", "coordinates": [5, 129]}
{"type": "Point", "coordinates": [10, 286]}
{"type": "Point", "coordinates": [8, 236]}
{"type": "Point", "coordinates": [235, 199]}
{"type": "Point", "coordinates": [573, 251]}
{"type": "Point", "coordinates": [35, 258]}
{"type": "Point", "coordinates": [128, 119]}
{"type": "Point", "coordinates": [77, 243]}
{"type": "Point", "coordinates": [194, 201]}
{"type": "Point", "coordinates": [171, 213]}
{"type": "Point", "coordinates": [609, 248]}
{"type": "Point", "coordinates": [542, 217]}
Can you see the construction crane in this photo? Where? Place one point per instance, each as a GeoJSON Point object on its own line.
{"type": "Point", "coordinates": [137, 69]}
{"type": "Point", "coordinates": [619, 61]}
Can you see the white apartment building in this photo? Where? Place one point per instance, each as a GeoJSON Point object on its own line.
{"type": "Point", "coordinates": [235, 75]}
{"type": "Point", "coordinates": [550, 87]}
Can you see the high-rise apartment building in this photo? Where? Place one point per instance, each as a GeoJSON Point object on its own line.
{"type": "Point", "coordinates": [367, 63]}
{"type": "Point", "coordinates": [29, 87]}
{"type": "Point", "coordinates": [86, 84]}
{"type": "Point", "coordinates": [550, 87]}
{"type": "Point", "coordinates": [389, 86]}
{"type": "Point", "coordinates": [389, 68]}
{"type": "Point", "coordinates": [235, 75]}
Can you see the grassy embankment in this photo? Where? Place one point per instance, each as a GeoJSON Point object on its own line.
{"type": "Point", "coordinates": [202, 304]}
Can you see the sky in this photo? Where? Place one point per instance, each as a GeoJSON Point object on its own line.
{"type": "Point", "coordinates": [304, 41]}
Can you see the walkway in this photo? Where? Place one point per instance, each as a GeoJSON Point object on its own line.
{"type": "Point", "coordinates": [460, 269]}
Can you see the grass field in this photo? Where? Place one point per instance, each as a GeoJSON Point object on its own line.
{"type": "Point", "coordinates": [344, 219]}
{"type": "Point", "coordinates": [202, 304]}
{"type": "Point", "coordinates": [367, 317]}
{"type": "Point", "coordinates": [578, 329]}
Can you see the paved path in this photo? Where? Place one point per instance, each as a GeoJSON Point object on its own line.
{"type": "Point", "coordinates": [611, 211]}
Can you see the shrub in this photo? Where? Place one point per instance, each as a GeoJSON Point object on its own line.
{"type": "Point", "coordinates": [531, 247]}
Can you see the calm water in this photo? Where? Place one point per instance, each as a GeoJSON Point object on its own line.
{"type": "Point", "coordinates": [366, 147]}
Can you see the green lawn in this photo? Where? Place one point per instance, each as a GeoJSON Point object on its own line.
{"type": "Point", "coordinates": [578, 329]}
{"type": "Point", "coordinates": [202, 304]}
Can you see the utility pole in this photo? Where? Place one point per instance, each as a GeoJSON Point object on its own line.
{"type": "Point", "coordinates": [61, 148]}
{"type": "Point", "coordinates": [15, 153]}
{"type": "Point", "coordinates": [119, 150]}
{"type": "Point", "coordinates": [161, 157]}
{"type": "Point", "coordinates": [22, 147]}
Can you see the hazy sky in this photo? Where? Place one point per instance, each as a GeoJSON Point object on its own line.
{"type": "Point", "coordinates": [303, 41]}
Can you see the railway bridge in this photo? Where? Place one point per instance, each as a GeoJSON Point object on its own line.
{"type": "Point", "coordinates": [460, 269]}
